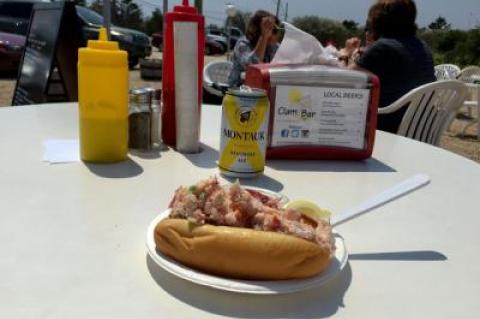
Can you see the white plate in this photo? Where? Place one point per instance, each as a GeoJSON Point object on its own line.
{"type": "Point", "coordinates": [244, 286]}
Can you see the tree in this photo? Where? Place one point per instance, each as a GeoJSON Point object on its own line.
{"type": "Point", "coordinates": [239, 20]}
{"type": "Point", "coordinates": [246, 15]}
{"type": "Point", "coordinates": [128, 14]}
{"type": "Point", "coordinates": [449, 40]}
{"type": "Point", "coordinates": [350, 25]}
{"type": "Point", "coordinates": [454, 46]}
{"type": "Point", "coordinates": [325, 30]}
{"type": "Point", "coordinates": [440, 23]}
{"type": "Point", "coordinates": [467, 52]}
{"type": "Point", "coordinates": [353, 29]}
{"type": "Point", "coordinates": [155, 22]}
{"type": "Point", "coordinates": [125, 13]}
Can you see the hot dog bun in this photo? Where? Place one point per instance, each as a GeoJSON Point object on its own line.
{"type": "Point", "coordinates": [240, 253]}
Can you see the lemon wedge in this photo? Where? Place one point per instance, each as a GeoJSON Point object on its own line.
{"type": "Point", "coordinates": [309, 208]}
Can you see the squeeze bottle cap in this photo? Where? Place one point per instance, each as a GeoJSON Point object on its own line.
{"type": "Point", "coordinates": [185, 8]}
{"type": "Point", "coordinates": [102, 43]}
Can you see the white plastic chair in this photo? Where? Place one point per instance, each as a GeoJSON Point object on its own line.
{"type": "Point", "coordinates": [446, 71]}
{"type": "Point", "coordinates": [468, 75]}
{"type": "Point", "coordinates": [215, 77]}
{"type": "Point", "coordinates": [430, 110]}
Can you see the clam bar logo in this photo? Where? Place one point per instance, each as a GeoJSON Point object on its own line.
{"type": "Point", "coordinates": [304, 114]}
{"type": "Point", "coordinates": [299, 106]}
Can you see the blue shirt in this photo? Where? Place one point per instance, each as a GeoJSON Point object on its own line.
{"type": "Point", "coordinates": [243, 55]}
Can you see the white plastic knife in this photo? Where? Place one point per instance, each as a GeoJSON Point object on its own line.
{"type": "Point", "coordinates": [384, 197]}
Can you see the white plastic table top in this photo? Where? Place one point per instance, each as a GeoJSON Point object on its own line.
{"type": "Point", "coordinates": [72, 236]}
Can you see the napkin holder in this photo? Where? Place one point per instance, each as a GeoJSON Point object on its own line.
{"type": "Point", "coordinates": [318, 111]}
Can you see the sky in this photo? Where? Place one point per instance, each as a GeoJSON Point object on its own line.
{"type": "Point", "coordinates": [461, 14]}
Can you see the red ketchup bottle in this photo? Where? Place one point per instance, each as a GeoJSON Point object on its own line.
{"type": "Point", "coordinates": [184, 33]}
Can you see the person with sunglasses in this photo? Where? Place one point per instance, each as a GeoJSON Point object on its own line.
{"type": "Point", "coordinates": [258, 46]}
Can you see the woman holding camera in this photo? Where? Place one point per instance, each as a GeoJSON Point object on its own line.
{"type": "Point", "coordinates": [258, 46]}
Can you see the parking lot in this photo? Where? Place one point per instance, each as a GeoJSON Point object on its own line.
{"type": "Point", "coordinates": [7, 83]}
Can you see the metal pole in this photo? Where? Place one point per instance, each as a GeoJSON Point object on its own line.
{"type": "Point", "coordinates": [278, 8]}
{"type": "Point", "coordinates": [165, 10]}
{"type": "Point", "coordinates": [165, 7]}
{"type": "Point", "coordinates": [286, 12]}
{"type": "Point", "coordinates": [107, 16]}
{"type": "Point", "coordinates": [229, 30]}
{"type": "Point", "coordinates": [199, 6]}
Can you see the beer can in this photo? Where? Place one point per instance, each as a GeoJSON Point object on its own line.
{"type": "Point", "coordinates": [244, 133]}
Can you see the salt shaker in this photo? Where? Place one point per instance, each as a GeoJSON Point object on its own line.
{"type": "Point", "coordinates": [139, 119]}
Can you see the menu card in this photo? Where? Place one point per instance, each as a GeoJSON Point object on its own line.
{"type": "Point", "coordinates": [320, 116]}
{"type": "Point", "coordinates": [61, 151]}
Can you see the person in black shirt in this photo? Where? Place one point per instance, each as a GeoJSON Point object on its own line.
{"type": "Point", "coordinates": [401, 61]}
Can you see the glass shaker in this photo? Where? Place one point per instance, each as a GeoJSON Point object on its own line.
{"type": "Point", "coordinates": [139, 119]}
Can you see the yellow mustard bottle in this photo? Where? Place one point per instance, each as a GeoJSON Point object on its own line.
{"type": "Point", "coordinates": [103, 101]}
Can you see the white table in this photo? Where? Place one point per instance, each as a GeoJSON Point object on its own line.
{"type": "Point", "coordinates": [72, 236]}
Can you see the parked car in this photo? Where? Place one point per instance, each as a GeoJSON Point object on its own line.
{"type": "Point", "coordinates": [219, 39]}
{"type": "Point", "coordinates": [11, 50]}
{"type": "Point", "coordinates": [235, 35]}
{"type": "Point", "coordinates": [211, 46]}
{"type": "Point", "coordinates": [136, 43]}
{"type": "Point", "coordinates": [15, 18]}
